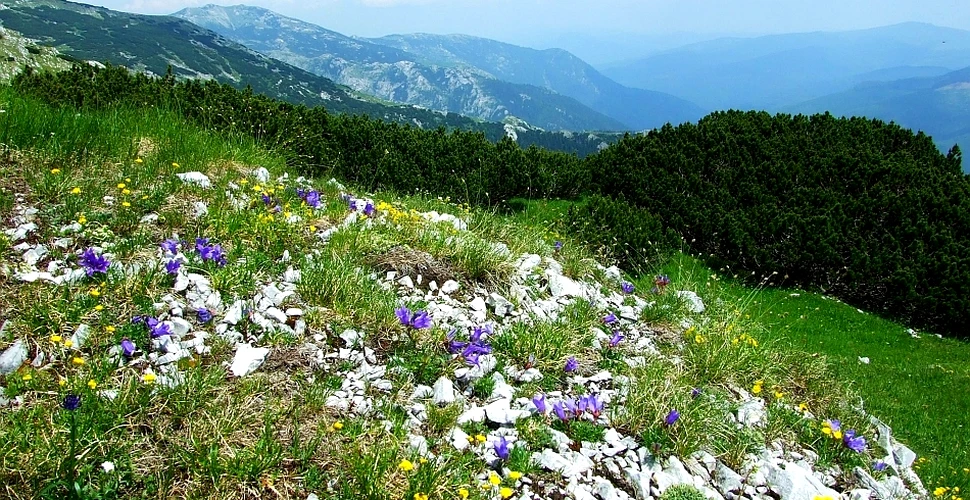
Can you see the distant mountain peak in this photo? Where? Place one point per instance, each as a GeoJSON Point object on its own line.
{"type": "Point", "coordinates": [550, 88]}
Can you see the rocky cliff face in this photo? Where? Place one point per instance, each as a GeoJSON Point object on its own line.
{"type": "Point", "coordinates": [397, 75]}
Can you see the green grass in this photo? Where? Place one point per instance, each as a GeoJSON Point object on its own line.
{"type": "Point", "coordinates": [916, 385]}
{"type": "Point", "coordinates": [272, 433]}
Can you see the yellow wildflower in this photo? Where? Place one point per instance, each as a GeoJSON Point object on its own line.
{"type": "Point", "coordinates": [423, 460]}
{"type": "Point", "coordinates": [94, 292]}
{"type": "Point", "coordinates": [55, 171]}
{"type": "Point", "coordinates": [338, 425]}
{"type": "Point", "coordinates": [176, 165]}
{"type": "Point", "coordinates": [420, 496]}
{"type": "Point", "coordinates": [939, 491]}
{"type": "Point", "coordinates": [463, 493]}
{"type": "Point", "coordinates": [125, 204]}
{"type": "Point", "coordinates": [99, 307]}
{"type": "Point", "coordinates": [62, 382]}
{"type": "Point", "coordinates": [138, 160]}
{"type": "Point", "coordinates": [313, 229]}
{"type": "Point", "coordinates": [121, 185]}
{"type": "Point", "coordinates": [515, 475]}
{"type": "Point", "coordinates": [109, 329]}
{"type": "Point", "coordinates": [92, 384]}
{"type": "Point", "coordinates": [76, 190]}
{"type": "Point", "coordinates": [243, 181]}
{"type": "Point", "coordinates": [82, 219]}
{"type": "Point", "coordinates": [494, 479]}
{"type": "Point", "coordinates": [505, 492]}
{"type": "Point", "coordinates": [779, 394]}
{"type": "Point", "coordinates": [757, 387]}
{"type": "Point", "coordinates": [699, 339]}
{"type": "Point", "coordinates": [27, 377]}
{"type": "Point", "coordinates": [68, 343]}
{"type": "Point", "coordinates": [406, 465]}
{"type": "Point", "coordinates": [802, 407]}
{"type": "Point", "coordinates": [149, 378]}
{"type": "Point", "coordinates": [480, 438]}
{"type": "Point", "coordinates": [56, 338]}
{"type": "Point", "coordinates": [78, 360]}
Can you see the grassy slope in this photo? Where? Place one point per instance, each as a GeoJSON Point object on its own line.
{"type": "Point", "coordinates": [916, 385]}
{"type": "Point", "coordinates": [271, 432]}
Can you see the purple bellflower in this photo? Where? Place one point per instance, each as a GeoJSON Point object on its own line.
{"type": "Point", "coordinates": [127, 347]}
{"type": "Point", "coordinates": [539, 400]}
{"type": "Point", "coordinates": [171, 246]}
{"type": "Point", "coordinates": [417, 320]}
{"type": "Point", "coordinates": [172, 266]}
{"type": "Point", "coordinates": [672, 417]}
{"type": "Point", "coordinates": [571, 365]}
{"type": "Point", "coordinates": [156, 328]}
{"type": "Point", "coordinates": [94, 263]}
{"type": "Point", "coordinates": [627, 287]}
{"type": "Point", "coordinates": [560, 410]}
{"type": "Point", "coordinates": [616, 339]}
{"type": "Point", "coordinates": [854, 442]}
{"type": "Point", "coordinates": [502, 448]}
{"type": "Point", "coordinates": [71, 402]}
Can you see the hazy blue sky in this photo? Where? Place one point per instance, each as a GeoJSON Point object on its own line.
{"type": "Point", "coordinates": [534, 21]}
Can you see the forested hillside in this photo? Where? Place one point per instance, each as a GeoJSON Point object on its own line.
{"type": "Point", "coordinates": [164, 44]}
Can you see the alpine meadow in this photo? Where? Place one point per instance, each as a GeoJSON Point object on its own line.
{"type": "Point", "coordinates": [279, 286]}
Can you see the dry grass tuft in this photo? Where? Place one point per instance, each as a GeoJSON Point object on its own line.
{"type": "Point", "coordinates": [409, 262]}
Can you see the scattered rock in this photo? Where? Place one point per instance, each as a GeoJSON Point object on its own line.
{"type": "Point", "coordinates": [694, 302]}
{"type": "Point", "coordinates": [13, 357]}
{"type": "Point", "coordinates": [443, 391]}
{"type": "Point", "coordinates": [247, 359]}
{"type": "Point", "coordinates": [197, 178]}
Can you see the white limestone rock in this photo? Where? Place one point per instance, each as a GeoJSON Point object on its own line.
{"type": "Point", "coordinates": [13, 357]}
{"type": "Point", "coordinates": [694, 302]}
{"type": "Point", "coordinates": [443, 391]}
{"type": "Point", "coordinates": [247, 359]}
{"type": "Point", "coordinates": [196, 178]}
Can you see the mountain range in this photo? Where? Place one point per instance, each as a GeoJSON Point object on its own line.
{"type": "Point", "coordinates": [917, 75]}
{"type": "Point", "coordinates": [771, 72]}
{"type": "Point", "coordinates": [469, 75]}
{"type": "Point", "coordinates": [938, 105]}
{"type": "Point", "coordinates": [158, 44]}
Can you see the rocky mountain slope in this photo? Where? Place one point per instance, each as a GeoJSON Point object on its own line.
{"type": "Point", "coordinates": [555, 69]}
{"type": "Point", "coordinates": [17, 53]}
{"type": "Point", "coordinates": [393, 74]}
{"type": "Point", "coordinates": [155, 43]}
